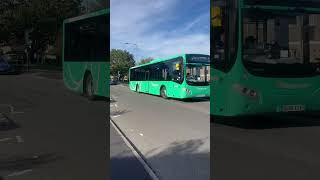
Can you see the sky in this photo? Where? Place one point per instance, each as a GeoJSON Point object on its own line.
{"type": "Point", "coordinates": [160, 28]}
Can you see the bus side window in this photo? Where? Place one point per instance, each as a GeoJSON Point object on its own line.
{"type": "Point", "coordinates": [164, 72]}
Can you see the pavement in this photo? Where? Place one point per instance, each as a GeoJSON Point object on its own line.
{"type": "Point", "coordinates": [50, 133]}
{"type": "Point", "coordinates": [124, 163]}
{"type": "Point", "coordinates": [266, 148]}
{"type": "Point", "coordinates": [172, 136]}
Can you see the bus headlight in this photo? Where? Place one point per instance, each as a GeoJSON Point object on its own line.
{"type": "Point", "coordinates": [246, 91]}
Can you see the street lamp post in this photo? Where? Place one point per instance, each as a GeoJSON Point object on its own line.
{"type": "Point", "coordinates": [133, 44]}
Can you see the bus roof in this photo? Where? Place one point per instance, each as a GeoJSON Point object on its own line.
{"type": "Point", "coordinates": [88, 15]}
{"type": "Point", "coordinates": [165, 59]}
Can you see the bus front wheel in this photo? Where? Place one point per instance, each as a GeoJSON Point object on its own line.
{"type": "Point", "coordinates": [163, 92]}
{"type": "Point", "coordinates": [89, 90]}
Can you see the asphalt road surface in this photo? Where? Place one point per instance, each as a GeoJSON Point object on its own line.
{"type": "Point", "coordinates": [50, 133]}
{"type": "Point", "coordinates": [267, 148]}
{"type": "Point", "coordinates": [173, 136]}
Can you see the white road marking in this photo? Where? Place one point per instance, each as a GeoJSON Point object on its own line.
{"type": "Point", "coordinates": [115, 116]}
{"type": "Point", "coordinates": [19, 173]}
{"type": "Point", "coordinates": [145, 165]}
{"type": "Point", "coordinates": [19, 139]}
{"type": "Point", "coordinates": [140, 134]}
{"type": "Point", "coordinates": [115, 105]}
{"type": "Point", "coordinates": [5, 139]}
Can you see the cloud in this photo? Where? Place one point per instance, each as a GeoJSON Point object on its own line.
{"type": "Point", "coordinates": [159, 28]}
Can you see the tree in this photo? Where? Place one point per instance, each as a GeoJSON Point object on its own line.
{"type": "Point", "coordinates": [97, 5]}
{"type": "Point", "coordinates": [120, 61]}
{"type": "Point", "coordinates": [45, 17]}
{"type": "Point", "coordinates": [145, 60]}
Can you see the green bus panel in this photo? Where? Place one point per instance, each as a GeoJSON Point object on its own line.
{"type": "Point", "coordinates": [174, 90]}
{"type": "Point", "coordinates": [229, 89]}
{"type": "Point", "coordinates": [75, 72]}
{"type": "Point", "coordinates": [273, 94]}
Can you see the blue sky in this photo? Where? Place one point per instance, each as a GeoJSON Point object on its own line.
{"type": "Point", "coordinates": [160, 28]}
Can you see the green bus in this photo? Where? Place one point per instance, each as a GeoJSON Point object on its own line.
{"type": "Point", "coordinates": [181, 76]}
{"type": "Point", "coordinates": [86, 51]}
{"type": "Point", "coordinates": [265, 57]}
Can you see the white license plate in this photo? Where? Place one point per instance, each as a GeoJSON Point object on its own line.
{"type": "Point", "coordinates": [293, 108]}
{"type": "Point", "coordinates": [201, 95]}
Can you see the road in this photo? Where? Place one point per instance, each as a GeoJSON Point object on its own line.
{"type": "Point", "coordinates": [173, 136]}
{"type": "Point", "coordinates": [48, 132]}
{"type": "Point", "coordinates": [270, 148]}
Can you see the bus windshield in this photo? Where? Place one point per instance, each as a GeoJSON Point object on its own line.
{"type": "Point", "coordinates": [197, 70]}
{"type": "Point", "coordinates": [281, 43]}
{"type": "Point", "coordinates": [198, 74]}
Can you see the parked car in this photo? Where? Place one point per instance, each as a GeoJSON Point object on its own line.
{"type": "Point", "coordinates": [4, 66]}
{"type": "Point", "coordinates": [15, 64]}
{"type": "Point", "coordinates": [18, 55]}
{"type": "Point", "coordinates": [113, 82]}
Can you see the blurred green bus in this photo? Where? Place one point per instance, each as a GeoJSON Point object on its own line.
{"type": "Point", "coordinates": [86, 52]}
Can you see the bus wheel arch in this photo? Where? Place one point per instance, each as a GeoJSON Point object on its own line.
{"type": "Point", "coordinates": [163, 92]}
{"type": "Point", "coordinates": [88, 87]}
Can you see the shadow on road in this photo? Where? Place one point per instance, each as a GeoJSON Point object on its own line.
{"type": "Point", "coordinates": [193, 100]}
{"type": "Point", "coordinates": [101, 98]}
{"type": "Point", "coordinates": [127, 167]}
{"type": "Point", "coordinates": [268, 122]}
{"type": "Point", "coordinates": [188, 100]}
{"type": "Point", "coordinates": [181, 160]}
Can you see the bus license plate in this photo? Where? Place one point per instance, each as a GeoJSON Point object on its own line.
{"type": "Point", "coordinates": [293, 108]}
{"type": "Point", "coordinates": [201, 95]}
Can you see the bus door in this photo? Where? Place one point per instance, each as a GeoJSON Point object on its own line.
{"type": "Point", "coordinates": [177, 79]}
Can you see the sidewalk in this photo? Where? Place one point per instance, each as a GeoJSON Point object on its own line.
{"type": "Point", "coordinates": [124, 165]}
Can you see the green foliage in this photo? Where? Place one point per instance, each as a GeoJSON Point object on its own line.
{"type": "Point", "coordinates": [120, 61]}
{"type": "Point", "coordinates": [43, 15]}
{"type": "Point", "coordinates": [97, 4]}
{"type": "Point", "coordinates": [146, 60]}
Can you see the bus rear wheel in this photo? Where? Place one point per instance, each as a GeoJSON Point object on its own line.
{"type": "Point", "coordinates": [163, 92]}
{"type": "Point", "coordinates": [89, 90]}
